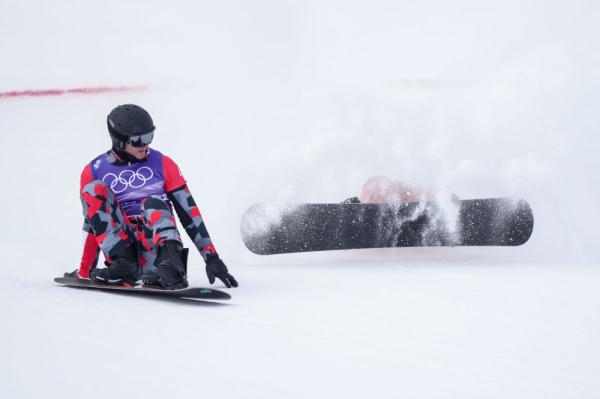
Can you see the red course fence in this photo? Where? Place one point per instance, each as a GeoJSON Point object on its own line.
{"type": "Point", "coordinates": [77, 90]}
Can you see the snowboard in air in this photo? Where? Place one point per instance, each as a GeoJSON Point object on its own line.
{"type": "Point", "coordinates": [286, 228]}
{"type": "Point", "coordinates": [189, 293]}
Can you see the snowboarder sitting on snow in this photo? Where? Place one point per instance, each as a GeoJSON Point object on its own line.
{"type": "Point", "coordinates": [383, 190]}
{"type": "Point", "coordinates": [128, 195]}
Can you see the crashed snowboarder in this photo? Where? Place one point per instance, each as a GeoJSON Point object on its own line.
{"type": "Point", "coordinates": [380, 189]}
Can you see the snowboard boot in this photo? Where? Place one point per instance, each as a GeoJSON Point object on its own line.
{"type": "Point", "coordinates": [75, 274]}
{"type": "Point", "coordinates": [170, 272]}
{"type": "Point", "coordinates": [124, 269]}
{"type": "Point", "coordinates": [351, 200]}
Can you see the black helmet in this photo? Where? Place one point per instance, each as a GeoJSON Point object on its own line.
{"type": "Point", "coordinates": [131, 124]}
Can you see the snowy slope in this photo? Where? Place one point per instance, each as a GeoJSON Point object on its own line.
{"type": "Point", "coordinates": [283, 100]}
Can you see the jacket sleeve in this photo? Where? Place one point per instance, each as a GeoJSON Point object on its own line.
{"type": "Point", "coordinates": [186, 208]}
{"type": "Point", "coordinates": [192, 221]}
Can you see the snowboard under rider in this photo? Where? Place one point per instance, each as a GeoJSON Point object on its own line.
{"type": "Point", "coordinates": [128, 195]}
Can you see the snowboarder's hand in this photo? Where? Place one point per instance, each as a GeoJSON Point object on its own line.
{"type": "Point", "coordinates": [216, 268]}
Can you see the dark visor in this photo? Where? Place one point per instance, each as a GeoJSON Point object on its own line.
{"type": "Point", "coordinates": [141, 140]}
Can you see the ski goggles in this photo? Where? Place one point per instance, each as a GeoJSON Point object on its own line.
{"type": "Point", "coordinates": [141, 140]}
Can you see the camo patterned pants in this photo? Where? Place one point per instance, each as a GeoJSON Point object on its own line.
{"type": "Point", "coordinates": [114, 230]}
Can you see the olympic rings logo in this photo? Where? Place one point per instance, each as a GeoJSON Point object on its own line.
{"type": "Point", "coordinates": [128, 178]}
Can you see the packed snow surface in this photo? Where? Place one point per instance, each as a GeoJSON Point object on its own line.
{"type": "Point", "coordinates": [303, 101]}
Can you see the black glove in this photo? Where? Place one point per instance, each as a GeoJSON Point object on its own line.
{"type": "Point", "coordinates": [216, 268]}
